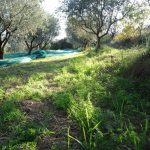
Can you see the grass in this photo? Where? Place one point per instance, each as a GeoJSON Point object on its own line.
{"type": "Point", "coordinates": [108, 107]}
{"type": "Point", "coordinates": [23, 124]}
{"type": "Point", "coordinates": [99, 92]}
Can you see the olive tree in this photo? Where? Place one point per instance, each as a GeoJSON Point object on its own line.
{"type": "Point", "coordinates": [44, 34]}
{"type": "Point", "coordinates": [77, 36]}
{"type": "Point", "coordinates": [97, 16]}
{"type": "Point", "coordinates": [16, 17]}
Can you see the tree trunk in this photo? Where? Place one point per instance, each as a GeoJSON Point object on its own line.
{"type": "Point", "coordinates": [29, 46]}
{"type": "Point", "coordinates": [148, 43]}
{"type": "Point", "coordinates": [30, 50]}
{"type": "Point", "coordinates": [85, 45]}
{"type": "Point", "coordinates": [42, 47]}
{"type": "Point", "coordinates": [98, 45]}
{"type": "Point", "coordinates": [1, 53]}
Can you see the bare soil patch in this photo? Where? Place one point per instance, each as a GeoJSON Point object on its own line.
{"type": "Point", "coordinates": [59, 123]}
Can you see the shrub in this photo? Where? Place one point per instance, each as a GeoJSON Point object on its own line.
{"type": "Point", "coordinates": [63, 100]}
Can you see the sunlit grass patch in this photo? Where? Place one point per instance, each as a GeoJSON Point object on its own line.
{"type": "Point", "coordinates": [22, 84]}
{"type": "Point", "coordinates": [109, 108]}
{"type": "Point", "coordinates": [98, 78]}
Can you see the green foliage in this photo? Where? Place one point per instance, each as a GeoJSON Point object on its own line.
{"type": "Point", "coordinates": [20, 19]}
{"type": "Point", "coordinates": [9, 112]}
{"type": "Point", "coordinates": [24, 146]}
{"type": "Point", "coordinates": [89, 17]}
{"type": "Point", "coordinates": [77, 36]}
{"type": "Point", "coordinates": [19, 126]}
{"type": "Point", "coordinates": [21, 130]}
{"type": "Point", "coordinates": [129, 32]}
{"type": "Point", "coordinates": [107, 107]}
{"type": "Point", "coordinates": [86, 116]}
{"type": "Point", "coordinates": [1, 94]}
{"type": "Point", "coordinates": [63, 100]}
{"type": "Point", "coordinates": [43, 35]}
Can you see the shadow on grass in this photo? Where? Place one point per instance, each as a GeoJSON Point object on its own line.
{"type": "Point", "coordinates": [38, 66]}
{"type": "Point", "coordinates": [24, 121]}
{"type": "Point", "coordinates": [19, 75]}
{"type": "Point", "coordinates": [28, 122]}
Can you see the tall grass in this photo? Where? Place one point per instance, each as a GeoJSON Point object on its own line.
{"type": "Point", "coordinates": [107, 107]}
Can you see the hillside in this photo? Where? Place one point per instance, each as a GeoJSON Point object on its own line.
{"type": "Point", "coordinates": [90, 101]}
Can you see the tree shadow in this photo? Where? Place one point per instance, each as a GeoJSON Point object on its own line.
{"type": "Point", "coordinates": [26, 122]}
{"type": "Point", "coordinates": [20, 74]}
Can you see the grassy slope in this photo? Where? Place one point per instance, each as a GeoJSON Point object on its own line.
{"type": "Point", "coordinates": [27, 114]}
{"type": "Point", "coordinates": [108, 106]}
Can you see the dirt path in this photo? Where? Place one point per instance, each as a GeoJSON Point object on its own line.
{"type": "Point", "coordinates": [58, 123]}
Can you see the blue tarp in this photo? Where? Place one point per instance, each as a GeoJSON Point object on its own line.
{"type": "Point", "coordinates": [18, 58]}
{"type": "Point", "coordinates": [15, 61]}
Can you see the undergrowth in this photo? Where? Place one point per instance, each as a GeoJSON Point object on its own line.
{"type": "Point", "coordinates": [20, 128]}
{"type": "Point", "coordinates": [99, 91]}
{"type": "Point", "coordinates": [110, 110]}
